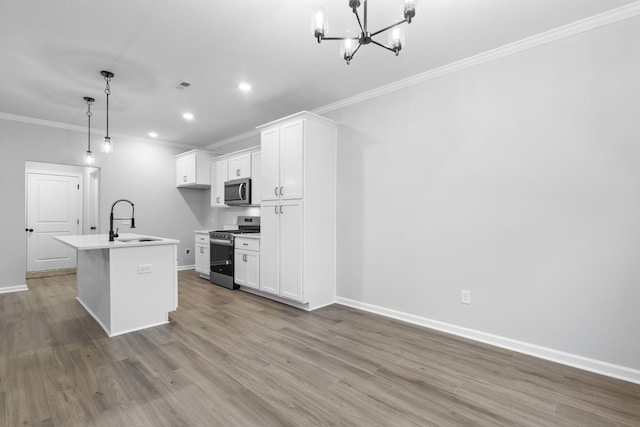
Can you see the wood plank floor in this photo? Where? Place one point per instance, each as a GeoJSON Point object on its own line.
{"type": "Point", "coordinates": [229, 358]}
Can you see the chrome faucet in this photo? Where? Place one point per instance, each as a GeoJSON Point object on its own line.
{"type": "Point", "coordinates": [113, 235]}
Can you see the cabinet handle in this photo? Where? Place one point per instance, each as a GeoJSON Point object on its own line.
{"type": "Point", "coordinates": [280, 208]}
{"type": "Point", "coordinates": [245, 244]}
{"type": "Point", "coordinates": [184, 178]}
{"type": "Point", "coordinates": [276, 209]}
{"type": "Point", "coordinates": [245, 257]}
{"type": "Point", "coordinates": [201, 250]}
{"type": "Point", "coordinates": [218, 199]}
{"type": "Point", "coordinates": [237, 172]}
{"type": "Point", "coordinates": [281, 191]}
{"type": "Point", "coordinates": [276, 191]}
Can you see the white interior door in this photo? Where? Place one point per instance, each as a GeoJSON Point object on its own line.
{"type": "Point", "coordinates": [53, 209]}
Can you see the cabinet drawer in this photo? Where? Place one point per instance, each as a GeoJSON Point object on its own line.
{"type": "Point", "coordinates": [202, 238]}
{"type": "Point", "coordinates": [247, 244]}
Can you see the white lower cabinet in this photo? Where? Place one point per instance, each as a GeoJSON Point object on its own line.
{"type": "Point", "coordinates": [203, 263]}
{"type": "Point", "coordinates": [281, 249]}
{"type": "Point", "coordinates": [246, 262]}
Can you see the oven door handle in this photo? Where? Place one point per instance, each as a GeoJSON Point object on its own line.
{"type": "Point", "coordinates": [220, 242]}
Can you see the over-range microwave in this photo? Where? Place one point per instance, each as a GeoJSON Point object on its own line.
{"type": "Point", "coordinates": [237, 192]}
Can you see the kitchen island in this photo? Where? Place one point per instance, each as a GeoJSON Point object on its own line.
{"type": "Point", "coordinates": [128, 284]}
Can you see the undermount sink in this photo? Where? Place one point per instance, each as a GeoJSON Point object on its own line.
{"type": "Point", "coordinates": [138, 240]}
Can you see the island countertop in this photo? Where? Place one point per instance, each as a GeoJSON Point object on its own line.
{"type": "Point", "coordinates": [101, 241]}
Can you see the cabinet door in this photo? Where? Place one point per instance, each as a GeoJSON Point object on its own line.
{"type": "Point", "coordinates": [269, 244]}
{"type": "Point", "coordinates": [292, 160]}
{"type": "Point", "coordinates": [219, 177]}
{"type": "Point", "coordinates": [270, 148]}
{"type": "Point", "coordinates": [239, 268]}
{"type": "Point", "coordinates": [202, 258]}
{"type": "Point", "coordinates": [186, 170]}
{"type": "Point", "coordinates": [240, 167]}
{"type": "Point", "coordinates": [247, 268]}
{"type": "Point", "coordinates": [253, 269]}
{"type": "Point", "coordinates": [256, 178]}
{"type": "Point", "coordinates": [291, 250]}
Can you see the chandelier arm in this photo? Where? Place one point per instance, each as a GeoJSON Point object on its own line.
{"type": "Point", "coordinates": [381, 45]}
{"type": "Point", "coordinates": [354, 52]}
{"type": "Point", "coordinates": [340, 38]}
{"type": "Point", "coordinates": [359, 23]}
{"type": "Point", "coordinates": [388, 28]}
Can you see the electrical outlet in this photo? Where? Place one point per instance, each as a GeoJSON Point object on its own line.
{"type": "Point", "coordinates": [465, 296]}
{"type": "Point", "coordinates": [187, 251]}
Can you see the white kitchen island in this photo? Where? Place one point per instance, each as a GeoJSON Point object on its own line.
{"type": "Point", "coordinates": [129, 284]}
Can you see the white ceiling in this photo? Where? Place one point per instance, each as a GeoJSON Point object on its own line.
{"type": "Point", "coordinates": [53, 51]}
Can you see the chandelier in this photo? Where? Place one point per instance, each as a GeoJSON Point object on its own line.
{"type": "Point", "coordinates": [351, 45]}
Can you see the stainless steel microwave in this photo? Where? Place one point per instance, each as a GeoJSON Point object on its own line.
{"type": "Point", "coordinates": [237, 192]}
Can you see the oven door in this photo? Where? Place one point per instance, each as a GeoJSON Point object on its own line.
{"type": "Point", "coordinates": [237, 192]}
{"type": "Point", "coordinates": [221, 255]}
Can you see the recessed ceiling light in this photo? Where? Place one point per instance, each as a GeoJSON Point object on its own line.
{"type": "Point", "coordinates": [187, 116]}
{"type": "Point", "coordinates": [153, 134]}
{"type": "Point", "coordinates": [245, 87]}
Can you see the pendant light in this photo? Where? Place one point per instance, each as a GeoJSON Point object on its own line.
{"type": "Point", "coordinates": [88, 156]}
{"type": "Point", "coordinates": [107, 145]}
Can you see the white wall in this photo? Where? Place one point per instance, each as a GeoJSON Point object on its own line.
{"type": "Point", "coordinates": [518, 179]}
{"type": "Point", "coordinates": [139, 170]}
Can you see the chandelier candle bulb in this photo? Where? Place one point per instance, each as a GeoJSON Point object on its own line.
{"type": "Point", "coordinates": [409, 10]}
{"type": "Point", "coordinates": [396, 40]}
{"type": "Point", "coordinates": [319, 25]}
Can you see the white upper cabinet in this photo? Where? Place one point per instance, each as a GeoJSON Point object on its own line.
{"type": "Point", "coordinates": [270, 149]}
{"type": "Point", "coordinates": [282, 161]}
{"type": "Point", "coordinates": [256, 177]}
{"type": "Point", "coordinates": [192, 169]}
{"type": "Point", "coordinates": [219, 174]}
{"type": "Point", "coordinates": [240, 167]}
{"type": "Point", "coordinates": [291, 160]}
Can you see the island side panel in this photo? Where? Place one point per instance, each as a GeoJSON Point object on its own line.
{"type": "Point", "coordinates": [92, 277]}
{"type": "Point", "coordinates": [143, 281]}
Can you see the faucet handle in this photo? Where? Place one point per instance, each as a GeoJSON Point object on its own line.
{"type": "Point", "coordinates": [116, 233]}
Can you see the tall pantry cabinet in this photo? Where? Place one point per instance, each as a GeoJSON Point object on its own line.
{"type": "Point", "coordinates": [298, 210]}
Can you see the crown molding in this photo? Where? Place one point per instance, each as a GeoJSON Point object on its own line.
{"type": "Point", "coordinates": [75, 128]}
{"type": "Point", "coordinates": [233, 139]}
{"type": "Point", "coordinates": [583, 25]}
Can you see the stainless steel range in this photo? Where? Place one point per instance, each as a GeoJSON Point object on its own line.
{"type": "Point", "coordinates": [222, 242]}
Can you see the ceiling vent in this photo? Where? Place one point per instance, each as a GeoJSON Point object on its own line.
{"type": "Point", "coordinates": [183, 85]}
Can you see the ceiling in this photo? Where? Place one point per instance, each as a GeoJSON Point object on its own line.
{"type": "Point", "coordinates": [53, 52]}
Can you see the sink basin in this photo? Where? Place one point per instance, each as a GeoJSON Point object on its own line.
{"type": "Point", "coordinates": [138, 240]}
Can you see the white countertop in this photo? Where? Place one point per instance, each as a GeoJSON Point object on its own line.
{"type": "Point", "coordinates": [101, 241]}
{"type": "Point", "coordinates": [202, 231]}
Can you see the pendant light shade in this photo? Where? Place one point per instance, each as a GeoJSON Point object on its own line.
{"type": "Point", "coordinates": [107, 145]}
{"type": "Point", "coordinates": [88, 156]}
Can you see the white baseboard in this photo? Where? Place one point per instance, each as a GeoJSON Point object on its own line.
{"type": "Point", "coordinates": [186, 267]}
{"type": "Point", "coordinates": [10, 289]}
{"type": "Point", "coordinates": [576, 361]}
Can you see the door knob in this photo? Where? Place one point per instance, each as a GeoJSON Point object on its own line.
{"type": "Point", "coordinates": [30, 230]}
{"type": "Point", "coordinates": [94, 228]}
